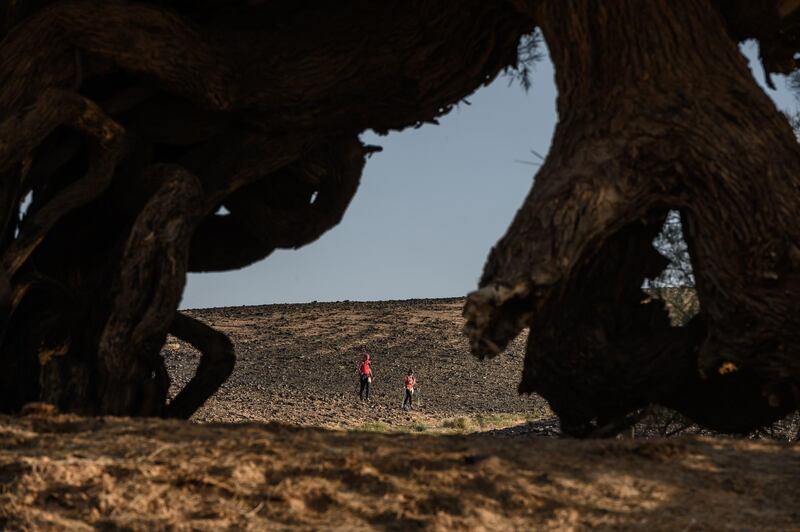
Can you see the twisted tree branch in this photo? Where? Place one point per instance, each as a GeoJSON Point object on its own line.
{"type": "Point", "coordinates": [215, 367]}
{"type": "Point", "coordinates": [147, 291]}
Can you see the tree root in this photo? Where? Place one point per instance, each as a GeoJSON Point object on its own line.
{"type": "Point", "coordinates": [216, 364]}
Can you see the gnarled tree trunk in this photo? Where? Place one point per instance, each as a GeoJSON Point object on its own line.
{"type": "Point", "coordinates": [129, 124]}
{"type": "Point", "coordinates": [657, 111]}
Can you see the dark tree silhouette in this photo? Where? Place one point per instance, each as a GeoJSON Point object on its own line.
{"type": "Point", "coordinates": [126, 125]}
{"type": "Point", "coordinates": [657, 111]}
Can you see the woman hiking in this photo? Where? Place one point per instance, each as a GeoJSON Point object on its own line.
{"type": "Point", "coordinates": [409, 382]}
{"type": "Point", "coordinates": [365, 377]}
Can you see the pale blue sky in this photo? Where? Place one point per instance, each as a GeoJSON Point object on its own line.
{"type": "Point", "coordinates": [429, 208]}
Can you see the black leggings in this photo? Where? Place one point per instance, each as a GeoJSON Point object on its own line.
{"type": "Point", "coordinates": [409, 398]}
{"type": "Point", "coordinates": [364, 391]}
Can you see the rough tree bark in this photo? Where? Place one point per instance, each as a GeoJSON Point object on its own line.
{"type": "Point", "coordinates": [657, 110]}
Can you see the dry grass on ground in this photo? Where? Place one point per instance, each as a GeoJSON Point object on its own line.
{"type": "Point", "coordinates": [69, 473]}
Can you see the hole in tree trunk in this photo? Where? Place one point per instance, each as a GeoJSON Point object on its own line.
{"type": "Point", "coordinates": [675, 284]}
{"type": "Point", "coordinates": [23, 209]}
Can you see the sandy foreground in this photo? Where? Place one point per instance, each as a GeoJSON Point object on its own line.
{"type": "Point", "coordinates": [65, 472]}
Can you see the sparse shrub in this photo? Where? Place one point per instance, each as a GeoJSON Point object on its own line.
{"type": "Point", "coordinates": [461, 423]}
{"type": "Point", "coordinates": [493, 420]}
{"type": "Point", "coordinates": [372, 426]}
{"type": "Point", "coordinates": [419, 427]}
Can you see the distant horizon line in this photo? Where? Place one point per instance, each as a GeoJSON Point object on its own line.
{"type": "Point", "coordinates": [403, 300]}
{"type": "Point", "coordinates": [328, 302]}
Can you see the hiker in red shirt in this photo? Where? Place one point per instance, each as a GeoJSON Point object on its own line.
{"type": "Point", "coordinates": [410, 381]}
{"type": "Point", "coordinates": [365, 377]}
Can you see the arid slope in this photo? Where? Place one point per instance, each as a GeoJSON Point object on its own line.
{"type": "Point", "coordinates": [297, 363]}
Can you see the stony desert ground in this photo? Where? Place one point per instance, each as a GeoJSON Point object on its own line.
{"type": "Point", "coordinates": [298, 364]}
{"type": "Point", "coordinates": [287, 445]}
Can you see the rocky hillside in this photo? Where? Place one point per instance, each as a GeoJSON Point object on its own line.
{"type": "Point", "coordinates": [297, 363]}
